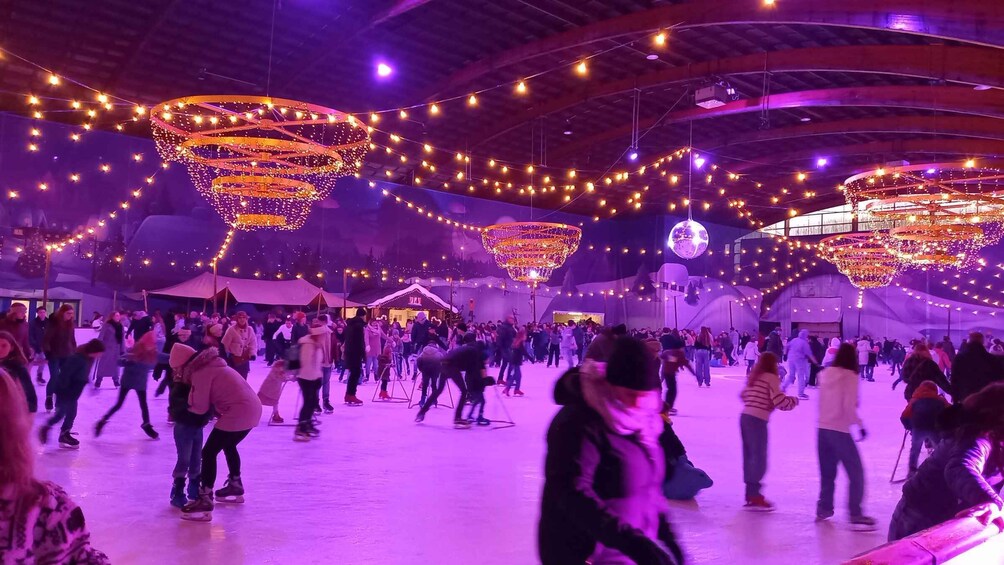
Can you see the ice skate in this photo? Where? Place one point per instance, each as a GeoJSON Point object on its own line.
{"type": "Point", "coordinates": [482, 421]}
{"type": "Point", "coordinates": [384, 395]}
{"type": "Point", "coordinates": [462, 425]}
{"type": "Point", "coordinates": [100, 425]}
{"type": "Point", "coordinates": [67, 441]}
{"type": "Point", "coordinates": [758, 504]}
{"type": "Point", "coordinates": [518, 392]}
{"type": "Point", "coordinates": [200, 509]}
{"type": "Point", "coordinates": [301, 435]}
{"type": "Point", "coordinates": [419, 418]}
{"type": "Point", "coordinates": [823, 515]}
{"type": "Point", "coordinates": [863, 524]}
{"type": "Point", "coordinates": [276, 419]}
{"type": "Point", "coordinates": [328, 408]}
{"type": "Point", "coordinates": [178, 498]}
{"type": "Point", "coordinates": [353, 401]}
{"type": "Point", "coordinates": [232, 491]}
{"type": "Point", "coordinates": [506, 392]}
{"type": "Point", "coordinates": [150, 432]}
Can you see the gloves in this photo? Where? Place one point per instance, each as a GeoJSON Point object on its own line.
{"type": "Point", "coordinates": [864, 434]}
{"type": "Point", "coordinates": [644, 551]}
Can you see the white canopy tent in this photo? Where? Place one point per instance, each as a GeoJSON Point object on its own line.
{"type": "Point", "coordinates": [296, 292]}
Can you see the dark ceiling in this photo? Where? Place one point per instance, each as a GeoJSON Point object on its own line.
{"type": "Point", "coordinates": [857, 82]}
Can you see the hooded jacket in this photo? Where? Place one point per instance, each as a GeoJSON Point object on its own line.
{"type": "Point", "coordinates": [312, 357]}
{"type": "Point", "coordinates": [973, 368]}
{"type": "Point", "coordinates": [831, 351]}
{"type": "Point", "coordinates": [355, 342]}
{"type": "Point", "coordinates": [924, 408]}
{"type": "Point", "coordinates": [920, 368]}
{"type": "Point", "coordinates": [420, 330]}
{"type": "Point", "coordinates": [799, 350]}
{"type": "Point", "coordinates": [602, 490]}
{"type": "Point", "coordinates": [215, 385]}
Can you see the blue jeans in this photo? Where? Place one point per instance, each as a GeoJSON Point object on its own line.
{"type": "Point", "coordinates": [838, 448]}
{"type": "Point", "coordinates": [568, 353]}
{"type": "Point", "coordinates": [797, 370]}
{"type": "Point", "coordinates": [702, 366]}
{"type": "Point", "coordinates": [917, 443]}
{"type": "Point", "coordinates": [754, 435]}
{"type": "Point", "coordinates": [325, 383]}
{"type": "Point", "coordinates": [55, 368]}
{"type": "Point", "coordinates": [371, 366]}
{"type": "Point", "coordinates": [188, 443]}
{"type": "Point", "coordinates": [515, 377]}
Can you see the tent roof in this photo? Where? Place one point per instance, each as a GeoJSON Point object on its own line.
{"type": "Point", "coordinates": [253, 291]}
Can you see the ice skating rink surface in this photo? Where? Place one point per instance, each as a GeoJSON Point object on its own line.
{"type": "Point", "coordinates": [378, 488]}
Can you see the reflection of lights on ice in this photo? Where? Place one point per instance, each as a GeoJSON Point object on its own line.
{"type": "Point", "coordinates": [688, 239]}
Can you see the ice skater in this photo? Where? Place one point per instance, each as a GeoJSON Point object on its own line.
{"type": "Point", "coordinates": [270, 390]}
{"type": "Point", "coordinates": [799, 354]}
{"type": "Point", "coordinates": [219, 387]}
{"type": "Point", "coordinates": [137, 365]}
{"type": "Point", "coordinates": [838, 411]}
{"type": "Point", "coordinates": [761, 396]}
{"type": "Point", "coordinates": [67, 385]}
{"type": "Point", "coordinates": [516, 357]}
{"type": "Point", "coordinates": [456, 363]}
{"type": "Point", "coordinates": [354, 351]}
{"type": "Point", "coordinates": [309, 378]}
{"type": "Point", "coordinates": [187, 429]}
{"type": "Point", "coordinates": [430, 364]}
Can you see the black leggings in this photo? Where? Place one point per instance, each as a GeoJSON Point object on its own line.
{"type": "Point", "coordinates": [310, 402]}
{"type": "Point", "coordinates": [457, 380]}
{"type": "Point", "coordinates": [141, 394]}
{"type": "Point", "coordinates": [553, 351]}
{"type": "Point", "coordinates": [226, 442]}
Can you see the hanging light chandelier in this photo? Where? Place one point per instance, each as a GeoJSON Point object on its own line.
{"type": "Point", "coordinates": [530, 251]}
{"type": "Point", "coordinates": [863, 258]}
{"type": "Point", "coordinates": [261, 162]}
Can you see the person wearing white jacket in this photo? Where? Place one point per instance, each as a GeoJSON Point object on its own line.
{"type": "Point", "coordinates": [750, 354]}
{"type": "Point", "coordinates": [309, 378]}
{"type": "Point", "coordinates": [838, 411]}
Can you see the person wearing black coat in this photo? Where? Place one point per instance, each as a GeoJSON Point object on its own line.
{"type": "Point", "coordinates": [604, 469]}
{"type": "Point", "coordinates": [920, 367]}
{"type": "Point", "coordinates": [13, 360]}
{"type": "Point", "coordinates": [68, 385]}
{"type": "Point", "coordinates": [270, 327]}
{"type": "Point", "coordinates": [818, 351]}
{"type": "Point", "coordinates": [506, 335]}
{"type": "Point", "coordinates": [355, 352]}
{"type": "Point", "coordinates": [973, 369]}
{"type": "Point", "coordinates": [465, 366]}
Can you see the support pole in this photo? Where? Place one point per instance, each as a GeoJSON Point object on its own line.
{"type": "Point", "coordinates": [115, 298]}
{"type": "Point", "coordinates": [146, 304]}
{"type": "Point", "coordinates": [45, 281]}
{"type": "Point", "coordinates": [731, 324]}
{"type": "Point", "coordinates": [215, 288]}
{"type": "Point", "coordinates": [345, 294]}
{"type": "Point", "coordinates": [676, 314]}
{"type": "Point", "coordinates": [533, 300]}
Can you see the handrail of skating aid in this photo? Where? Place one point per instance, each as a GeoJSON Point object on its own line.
{"type": "Point", "coordinates": [938, 545]}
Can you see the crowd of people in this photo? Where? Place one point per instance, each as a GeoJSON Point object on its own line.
{"type": "Point", "coordinates": [618, 395]}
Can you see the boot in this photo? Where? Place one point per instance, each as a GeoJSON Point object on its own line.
{"type": "Point", "coordinates": [384, 395]}
{"type": "Point", "coordinates": [328, 408]}
{"type": "Point", "coordinates": [518, 392]}
{"type": "Point", "coordinates": [48, 404]}
{"type": "Point", "coordinates": [277, 419]}
{"type": "Point", "coordinates": [351, 400]}
{"type": "Point", "coordinates": [501, 381]}
{"type": "Point", "coordinates": [149, 431]}
{"type": "Point", "coordinates": [482, 421]}
{"type": "Point", "coordinates": [758, 504]}
{"type": "Point", "coordinates": [67, 441]}
{"type": "Point", "coordinates": [506, 391]}
{"type": "Point", "coordinates": [200, 509]}
{"type": "Point", "coordinates": [100, 425]}
{"type": "Point", "coordinates": [43, 434]}
{"type": "Point", "coordinates": [232, 491]}
{"type": "Point", "coordinates": [178, 499]}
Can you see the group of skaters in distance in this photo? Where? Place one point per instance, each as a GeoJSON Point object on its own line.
{"type": "Point", "coordinates": [612, 460]}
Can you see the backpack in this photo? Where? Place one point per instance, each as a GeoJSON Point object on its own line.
{"type": "Point", "coordinates": [293, 357]}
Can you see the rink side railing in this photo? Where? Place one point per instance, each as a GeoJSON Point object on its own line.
{"type": "Point", "coordinates": [962, 540]}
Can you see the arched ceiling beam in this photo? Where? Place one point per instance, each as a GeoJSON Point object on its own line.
{"type": "Point", "coordinates": [953, 99]}
{"type": "Point", "coordinates": [885, 151]}
{"type": "Point", "coordinates": [975, 65]}
{"type": "Point", "coordinates": [950, 125]}
{"type": "Point", "coordinates": [971, 21]}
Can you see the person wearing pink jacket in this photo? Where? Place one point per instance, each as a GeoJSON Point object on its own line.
{"type": "Point", "coordinates": [215, 386]}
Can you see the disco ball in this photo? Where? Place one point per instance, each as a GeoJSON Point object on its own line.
{"type": "Point", "coordinates": [688, 239]}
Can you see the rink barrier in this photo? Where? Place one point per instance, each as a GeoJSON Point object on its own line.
{"type": "Point", "coordinates": [935, 546]}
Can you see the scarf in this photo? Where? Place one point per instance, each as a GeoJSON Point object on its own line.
{"type": "Point", "coordinates": [643, 421]}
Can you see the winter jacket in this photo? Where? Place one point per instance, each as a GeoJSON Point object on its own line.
{"type": "Point", "coordinates": [197, 328]}
{"type": "Point", "coordinates": [799, 350]}
{"type": "Point", "coordinates": [111, 335]}
{"type": "Point", "coordinates": [237, 342]}
{"type": "Point", "coordinates": [178, 407]}
{"type": "Point", "coordinates": [134, 373]}
{"type": "Point", "coordinates": [299, 330]}
{"type": "Point", "coordinates": [863, 347]}
{"type": "Point", "coordinates": [430, 361]}
{"type": "Point", "coordinates": [59, 341]}
{"type": "Point", "coordinates": [506, 335]}
{"type": "Point", "coordinates": [36, 332]}
{"type": "Point", "coordinates": [955, 477]}
{"type": "Point", "coordinates": [917, 369]}
{"type": "Point", "coordinates": [921, 414]}
{"type": "Point", "coordinates": [838, 399]}
{"type": "Point", "coordinates": [568, 338]}
{"type": "Point", "coordinates": [18, 329]}
{"type": "Point", "coordinates": [973, 369]}
{"type": "Point", "coordinates": [139, 327]}
{"type": "Point", "coordinates": [311, 355]}
{"type": "Point", "coordinates": [602, 491]}
{"type": "Point", "coordinates": [773, 344]}
{"type": "Point", "coordinates": [373, 337]}
{"type": "Point", "coordinates": [763, 395]}
{"type": "Point", "coordinates": [73, 377]}
{"type": "Point", "coordinates": [420, 331]}
{"type": "Point", "coordinates": [750, 353]}
{"type": "Point", "coordinates": [355, 341]}
{"type": "Point", "coordinates": [831, 352]}
{"type": "Point", "coordinates": [20, 374]}
{"type": "Point", "coordinates": [270, 328]}
{"type": "Point", "coordinates": [554, 338]}
{"type": "Point", "coordinates": [217, 386]}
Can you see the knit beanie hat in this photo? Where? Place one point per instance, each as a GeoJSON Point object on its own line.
{"type": "Point", "coordinates": [632, 365]}
{"type": "Point", "coordinates": [216, 330]}
{"type": "Point", "coordinates": [180, 354]}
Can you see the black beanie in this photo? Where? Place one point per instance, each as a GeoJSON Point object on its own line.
{"type": "Point", "coordinates": [631, 365]}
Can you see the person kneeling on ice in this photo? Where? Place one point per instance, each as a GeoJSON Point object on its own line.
{"type": "Point", "coordinates": [187, 428]}
{"type": "Point", "coordinates": [67, 385]}
{"type": "Point", "coordinates": [271, 388]}
{"type": "Point", "coordinates": [955, 481]}
{"type": "Point", "coordinates": [217, 386]}
{"type": "Point", "coordinates": [761, 396]}
{"type": "Point", "coordinates": [838, 411]}
{"type": "Point", "coordinates": [603, 473]}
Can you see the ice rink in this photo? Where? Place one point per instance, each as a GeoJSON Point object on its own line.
{"type": "Point", "coordinates": [378, 488]}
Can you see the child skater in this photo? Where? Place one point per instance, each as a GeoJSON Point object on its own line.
{"type": "Point", "coordinates": [68, 385]}
{"type": "Point", "coordinates": [137, 364]}
{"type": "Point", "coordinates": [921, 418]}
{"type": "Point", "coordinates": [271, 388]}
{"type": "Point", "coordinates": [383, 368]}
{"type": "Point", "coordinates": [761, 396]}
{"type": "Point", "coordinates": [187, 429]}
{"type": "Point", "coordinates": [750, 354]}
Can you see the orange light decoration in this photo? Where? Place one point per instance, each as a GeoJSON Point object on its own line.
{"type": "Point", "coordinates": [530, 251]}
{"type": "Point", "coordinates": [260, 161]}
